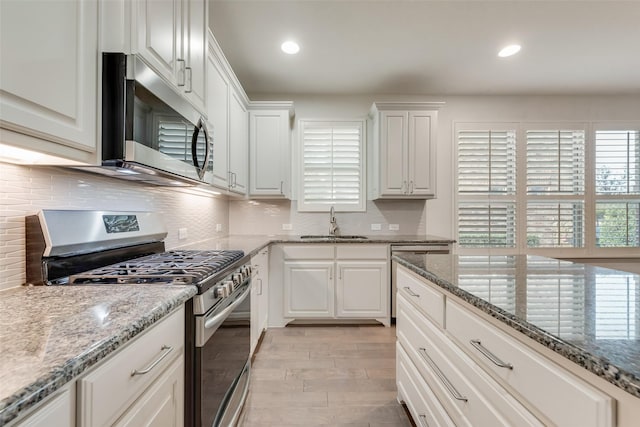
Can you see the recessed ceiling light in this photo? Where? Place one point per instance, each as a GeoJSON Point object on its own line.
{"type": "Point", "coordinates": [290, 47]}
{"type": "Point", "coordinates": [512, 49]}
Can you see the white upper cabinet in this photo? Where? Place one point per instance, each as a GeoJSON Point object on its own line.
{"type": "Point", "coordinates": [238, 145]}
{"type": "Point", "coordinates": [49, 77]}
{"type": "Point", "coordinates": [269, 149]}
{"type": "Point", "coordinates": [402, 159]}
{"type": "Point", "coordinates": [229, 117]}
{"type": "Point", "coordinates": [170, 36]}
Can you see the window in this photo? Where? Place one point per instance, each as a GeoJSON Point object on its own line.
{"type": "Point", "coordinates": [332, 166]}
{"type": "Point", "coordinates": [530, 188]}
{"type": "Point", "coordinates": [555, 168]}
{"type": "Point", "coordinates": [486, 187]}
{"type": "Point", "coordinates": [617, 188]}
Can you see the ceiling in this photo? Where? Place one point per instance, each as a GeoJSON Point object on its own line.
{"type": "Point", "coordinates": [431, 47]}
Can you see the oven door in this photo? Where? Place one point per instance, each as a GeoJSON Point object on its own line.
{"type": "Point", "coordinates": [222, 360]}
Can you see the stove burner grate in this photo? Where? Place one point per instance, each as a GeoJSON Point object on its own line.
{"type": "Point", "coordinates": [172, 267]}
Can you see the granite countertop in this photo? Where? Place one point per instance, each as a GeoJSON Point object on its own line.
{"type": "Point", "coordinates": [588, 314]}
{"type": "Point", "coordinates": [51, 334]}
{"type": "Point", "coordinates": [252, 244]}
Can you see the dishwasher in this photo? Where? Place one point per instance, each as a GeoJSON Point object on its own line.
{"type": "Point", "coordinates": [424, 248]}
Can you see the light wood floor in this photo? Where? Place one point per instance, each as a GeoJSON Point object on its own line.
{"type": "Point", "coordinates": [325, 376]}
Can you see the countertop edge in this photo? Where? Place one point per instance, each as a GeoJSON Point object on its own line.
{"type": "Point", "coordinates": [13, 406]}
{"type": "Point", "coordinates": [599, 366]}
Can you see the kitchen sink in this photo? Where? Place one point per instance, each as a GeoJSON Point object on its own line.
{"type": "Point", "coordinates": [329, 237]}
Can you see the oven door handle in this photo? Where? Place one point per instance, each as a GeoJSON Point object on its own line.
{"type": "Point", "coordinates": [217, 320]}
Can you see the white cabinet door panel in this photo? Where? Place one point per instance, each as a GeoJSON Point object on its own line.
{"type": "Point", "coordinates": [48, 71]}
{"type": "Point", "coordinates": [421, 169]}
{"type": "Point", "coordinates": [308, 289]}
{"type": "Point", "coordinates": [218, 116]}
{"type": "Point", "coordinates": [362, 289]}
{"type": "Point", "coordinates": [393, 135]}
{"type": "Point", "coordinates": [238, 145]}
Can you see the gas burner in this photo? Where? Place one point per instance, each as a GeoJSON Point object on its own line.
{"type": "Point", "coordinates": [172, 267]}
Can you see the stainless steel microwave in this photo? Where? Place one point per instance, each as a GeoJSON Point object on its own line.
{"type": "Point", "coordinates": [150, 133]}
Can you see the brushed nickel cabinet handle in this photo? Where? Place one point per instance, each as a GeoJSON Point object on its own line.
{"type": "Point", "coordinates": [489, 355]}
{"type": "Point", "coordinates": [445, 381]}
{"type": "Point", "coordinates": [410, 292]}
{"type": "Point", "coordinates": [182, 72]}
{"type": "Point", "coordinates": [190, 80]}
{"type": "Point", "coordinates": [423, 420]}
{"type": "Point", "coordinates": [166, 349]}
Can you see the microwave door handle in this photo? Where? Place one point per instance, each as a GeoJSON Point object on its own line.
{"type": "Point", "coordinates": [217, 320]}
{"type": "Point", "coordinates": [194, 148]}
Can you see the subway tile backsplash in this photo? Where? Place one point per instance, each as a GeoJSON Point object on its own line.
{"type": "Point", "coordinates": [25, 190]}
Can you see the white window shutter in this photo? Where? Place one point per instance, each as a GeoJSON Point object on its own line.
{"type": "Point", "coordinates": [332, 170]}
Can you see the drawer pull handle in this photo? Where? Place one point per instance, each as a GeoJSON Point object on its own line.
{"type": "Point", "coordinates": [153, 365]}
{"type": "Point", "coordinates": [486, 353]}
{"type": "Point", "coordinates": [423, 420]}
{"type": "Point", "coordinates": [456, 395]}
{"type": "Point", "coordinates": [410, 292]}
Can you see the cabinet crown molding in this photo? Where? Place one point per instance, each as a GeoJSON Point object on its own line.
{"type": "Point", "coordinates": [272, 105]}
{"type": "Point", "coordinates": [405, 106]}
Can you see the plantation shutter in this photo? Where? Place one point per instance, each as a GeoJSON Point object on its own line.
{"type": "Point", "coordinates": [486, 188]}
{"type": "Point", "coordinates": [332, 166]}
{"type": "Point", "coordinates": [617, 188]}
{"type": "Point", "coordinates": [555, 167]}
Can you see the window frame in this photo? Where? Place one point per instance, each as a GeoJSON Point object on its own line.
{"type": "Point", "coordinates": [589, 250]}
{"type": "Point", "coordinates": [361, 206]}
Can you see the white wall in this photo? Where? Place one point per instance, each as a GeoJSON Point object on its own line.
{"type": "Point", "coordinates": [25, 190]}
{"type": "Point", "coordinates": [439, 213]}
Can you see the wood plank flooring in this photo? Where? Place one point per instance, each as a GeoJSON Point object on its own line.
{"type": "Point", "coordinates": [325, 376]}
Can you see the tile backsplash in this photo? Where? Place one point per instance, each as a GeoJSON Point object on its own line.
{"type": "Point", "coordinates": [268, 217]}
{"type": "Point", "coordinates": [25, 190]}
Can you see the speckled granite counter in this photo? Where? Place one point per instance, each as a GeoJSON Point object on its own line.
{"type": "Point", "coordinates": [49, 335]}
{"type": "Point", "coordinates": [590, 315]}
{"type": "Point", "coordinates": [251, 244]}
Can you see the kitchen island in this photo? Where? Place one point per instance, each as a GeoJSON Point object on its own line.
{"type": "Point", "coordinates": [584, 318]}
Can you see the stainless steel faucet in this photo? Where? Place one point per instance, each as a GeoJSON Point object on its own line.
{"type": "Point", "coordinates": [333, 223]}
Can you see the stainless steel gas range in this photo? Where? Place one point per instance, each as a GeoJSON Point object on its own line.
{"type": "Point", "coordinates": [127, 248]}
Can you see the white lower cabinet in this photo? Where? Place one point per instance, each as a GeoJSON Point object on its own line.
{"type": "Point", "coordinates": [362, 289]}
{"type": "Point", "coordinates": [140, 383]}
{"type": "Point", "coordinates": [308, 289]}
{"type": "Point", "coordinates": [531, 375]}
{"type": "Point", "coordinates": [58, 411]}
{"type": "Point", "coordinates": [470, 396]}
{"type": "Point", "coordinates": [342, 281]}
{"type": "Point", "coordinates": [478, 373]}
{"type": "Point", "coordinates": [162, 404]}
{"type": "Point", "coordinates": [259, 296]}
{"type": "Point", "coordinates": [417, 395]}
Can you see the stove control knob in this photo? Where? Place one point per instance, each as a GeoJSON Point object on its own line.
{"type": "Point", "coordinates": [230, 285]}
{"type": "Point", "coordinates": [237, 278]}
{"type": "Point", "coordinates": [222, 291]}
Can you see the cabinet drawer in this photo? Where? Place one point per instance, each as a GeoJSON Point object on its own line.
{"type": "Point", "coordinates": [361, 251]}
{"type": "Point", "coordinates": [470, 396]}
{"type": "Point", "coordinates": [429, 300]}
{"type": "Point", "coordinates": [425, 408]}
{"type": "Point", "coordinates": [109, 389]}
{"type": "Point", "coordinates": [545, 385]}
{"type": "Point", "coordinates": [309, 252]}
